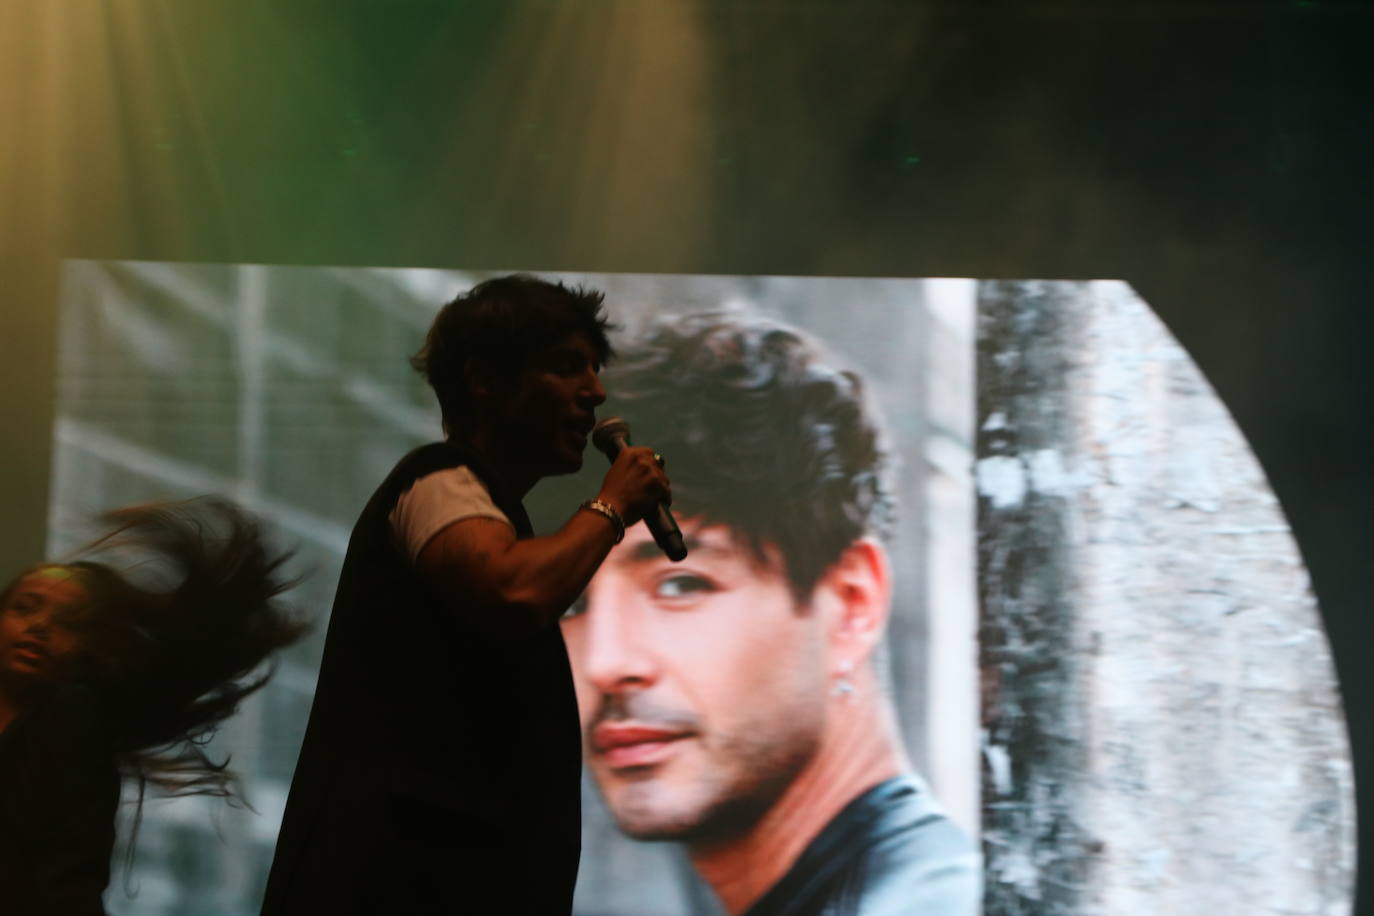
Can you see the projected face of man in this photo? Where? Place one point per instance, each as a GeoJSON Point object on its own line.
{"type": "Point", "coordinates": [702, 685]}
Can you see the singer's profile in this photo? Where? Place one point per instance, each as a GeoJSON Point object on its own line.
{"type": "Point", "coordinates": [440, 767]}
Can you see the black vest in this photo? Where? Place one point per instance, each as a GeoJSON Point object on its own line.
{"type": "Point", "coordinates": [435, 755]}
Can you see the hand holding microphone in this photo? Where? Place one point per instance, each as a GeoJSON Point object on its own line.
{"type": "Point", "coordinates": [637, 479]}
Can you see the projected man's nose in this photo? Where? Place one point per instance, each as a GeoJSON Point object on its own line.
{"type": "Point", "coordinates": [617, 653]}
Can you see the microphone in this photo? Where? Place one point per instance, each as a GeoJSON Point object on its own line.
{"type": "Point", "coordinates": [610, 436]}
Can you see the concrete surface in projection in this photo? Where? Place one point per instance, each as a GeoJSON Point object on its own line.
{"type": "Point", "coordinates": [1163, 731]}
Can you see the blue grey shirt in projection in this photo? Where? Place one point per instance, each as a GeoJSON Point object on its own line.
{"type": "Point", "coordinates": [890, 852]}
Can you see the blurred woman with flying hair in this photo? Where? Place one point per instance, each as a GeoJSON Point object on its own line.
{"type": "Point", "coordinates": [121, 670]}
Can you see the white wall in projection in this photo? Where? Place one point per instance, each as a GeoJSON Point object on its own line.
{"type": "Point", "coordinates": [1101, 655]}
{"type": "Point", "coordinates": [1162, 728]}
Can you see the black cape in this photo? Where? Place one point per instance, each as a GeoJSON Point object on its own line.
{"type": "Point", "coordinates": [440, 768]}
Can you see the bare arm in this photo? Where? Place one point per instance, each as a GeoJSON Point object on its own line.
{"type": "Point", "coordinates": [515, 586]}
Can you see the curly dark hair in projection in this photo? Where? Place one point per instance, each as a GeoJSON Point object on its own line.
{"type": "Point", "coordinates": [172, 634]}
{"type": "Point", "coordinates": [495, 329]}
{"type": "Point", "coordinates": [763, 432]}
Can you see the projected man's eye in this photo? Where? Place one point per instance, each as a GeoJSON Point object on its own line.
{"type": "Point", "coordinates": [683, 586]}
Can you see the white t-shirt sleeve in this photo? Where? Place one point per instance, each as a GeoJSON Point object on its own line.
{"type": "Point", "coordinates": [436, 501]}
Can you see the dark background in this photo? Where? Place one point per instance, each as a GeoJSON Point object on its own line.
{"type": "Point", "coordinates": [1214, 154]}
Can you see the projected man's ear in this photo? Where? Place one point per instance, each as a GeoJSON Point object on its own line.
{"type": "Point", "coordinates": [855, 597]}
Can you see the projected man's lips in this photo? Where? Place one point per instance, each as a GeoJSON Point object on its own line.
{"type": "Point", "coordinates": [624, 746]}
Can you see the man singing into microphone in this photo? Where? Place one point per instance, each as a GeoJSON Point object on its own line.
{"type": "Point", "coordinates": [439, 771]}
{"type": "Point", "coordinates": [733, 702]}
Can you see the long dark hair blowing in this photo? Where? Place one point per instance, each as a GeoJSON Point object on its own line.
{"type": "Point", "coordinates": [174, 632]}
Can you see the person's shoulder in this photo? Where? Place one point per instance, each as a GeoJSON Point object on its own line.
{"type": "Point", "coordinates": [72, 705]}
{"type": "Point", "coordinates": [415, 464]}
{"type": "Point", "coordinates": [70, 727]}
{"type": "Point", "coordinates": [915, 859]}
{"type": "Point", "coordinates": [429, 458]}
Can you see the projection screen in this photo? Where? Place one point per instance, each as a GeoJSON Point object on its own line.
{"type": "Point", "coordinates": [1098, 650]}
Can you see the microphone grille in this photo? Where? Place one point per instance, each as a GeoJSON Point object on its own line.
{"type": "Point", "coordinates": [607, 433]}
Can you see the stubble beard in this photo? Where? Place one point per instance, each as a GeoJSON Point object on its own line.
{"type": "Point", "coordinates": [743, 778]}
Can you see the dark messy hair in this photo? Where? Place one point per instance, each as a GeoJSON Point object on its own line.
{"type": "Point", "coordinates": [172, 633]}
{"type": "Point", "coordinates": [495, 329]}
{"type": "Point", "coordinates": [763, 432]}
{"type": "Point", "coordinates": [177, 642]}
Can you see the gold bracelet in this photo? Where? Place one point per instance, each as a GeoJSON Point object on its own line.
{"type": "Point", "coordinates": [606, 509]}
